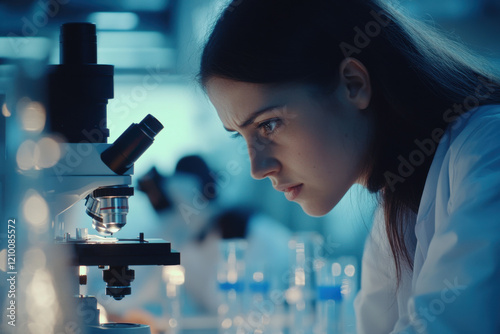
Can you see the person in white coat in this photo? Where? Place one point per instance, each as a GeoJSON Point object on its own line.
{"type": "Point", "coordinates": [328, 93]}
{"type": "Point", "coordinates": [457, 254]}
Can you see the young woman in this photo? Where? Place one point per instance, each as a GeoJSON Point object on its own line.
{"type": "Point", "coordinates": [328, 93]}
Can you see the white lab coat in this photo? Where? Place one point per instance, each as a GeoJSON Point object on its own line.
{"type": "Point", "coordinates": [455, 284]}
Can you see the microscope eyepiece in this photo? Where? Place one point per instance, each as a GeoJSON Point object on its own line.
{"type": "Point", "coordinates": [123, 153]}
{"type": "Point", "coordinates": [151, 125]}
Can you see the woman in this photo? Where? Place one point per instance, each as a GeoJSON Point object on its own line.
{"type": "Point", "coordinates": [328, 93]}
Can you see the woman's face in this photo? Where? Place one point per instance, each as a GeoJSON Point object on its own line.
{"type": "Point", "coordinates": [312, 147]}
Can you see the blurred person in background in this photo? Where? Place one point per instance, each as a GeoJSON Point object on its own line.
{"type": "Point", "coordinates": [194, 221]}
{"type": "Point", "coordinates": [329, 93]}
{"type": "Point", "coordinates": [190, 216]}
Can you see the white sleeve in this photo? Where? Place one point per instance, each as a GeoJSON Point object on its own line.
{"type": "Point", "coordinates": [376, 305]}
{"type": "Point", "coordinates": [458, 289]}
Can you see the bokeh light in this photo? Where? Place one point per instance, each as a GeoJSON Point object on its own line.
{"type": "Point", "coordinates": [5, 111]}
{"type": "Point", "coordinates": [35, 209]}
{"type": "Point", "coordinates": [33, 115]}
{"type": "Point", "coordinates": [27, 155]}
{"type": "Point", "coordinates": [49, 152]}
{"type": "Point", "coordinates": [34, 259]}
{"type": "Point", "coordinates": [174, 274]}
{"type": "Point", "coordinates": [349, 270]}
{"type": "Point", "coordinates": [42, 303]}
{"type": "Point", "coordinates": [336, 269]}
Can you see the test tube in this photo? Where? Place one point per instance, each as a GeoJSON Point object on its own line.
{"type": "Point", "coordinates": [329, 314]}
{"type": "Point", "coordinates": [231, 285]}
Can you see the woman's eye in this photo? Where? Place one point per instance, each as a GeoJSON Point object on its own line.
{"type": "Point", "coordinates": [235, 135]}
{"type": "Point", "coordinates": [268, 127]}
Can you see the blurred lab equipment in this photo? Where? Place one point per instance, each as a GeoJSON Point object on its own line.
{"type": "Point", "coordinates": [349, 288]}
{"type": "Point", "coordinates": [329, 298]}
{"type": "Point", "coordinates": [30, 266]}
{"type": "Point", "coordinates": [305, 249]}
{"type": "Point", "coordinates": [321, 288]}
{"type": "Point", "coordinates": [173, 276]}
{"type": "Point", "coordinates": [231, 285]}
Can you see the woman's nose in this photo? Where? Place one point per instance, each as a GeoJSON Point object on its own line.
{"type": "Point", "coordinates": [263, 163]}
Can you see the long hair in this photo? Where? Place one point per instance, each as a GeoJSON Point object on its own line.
{"type": "Point", "coordinates": [419, 80]}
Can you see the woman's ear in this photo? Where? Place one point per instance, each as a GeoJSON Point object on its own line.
{"type": "Point", "coordinates": [355, 77]}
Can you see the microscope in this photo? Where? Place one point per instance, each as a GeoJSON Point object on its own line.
{"type": "Point", "coordinates": [90, 169]}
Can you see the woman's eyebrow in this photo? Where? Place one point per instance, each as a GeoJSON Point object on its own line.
{"type": "Point", "coordinates": [253, 116]}
{"type": "Point", "coordinates": [256, 114]}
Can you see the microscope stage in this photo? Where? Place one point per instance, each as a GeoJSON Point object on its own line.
{"type": "Point", "coordinates": [123, 252]}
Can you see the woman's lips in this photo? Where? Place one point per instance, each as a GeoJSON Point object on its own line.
{"type": "Point", "coordinates": [291, 193]}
